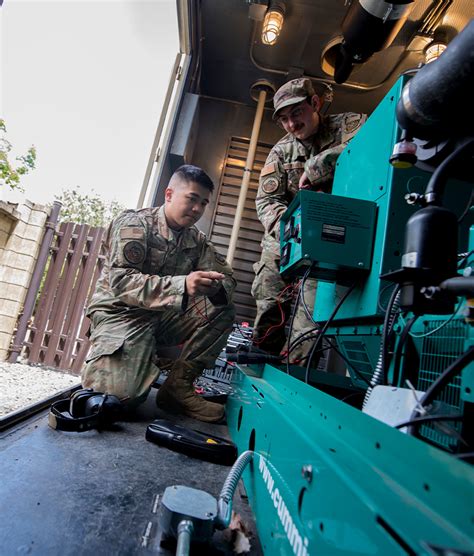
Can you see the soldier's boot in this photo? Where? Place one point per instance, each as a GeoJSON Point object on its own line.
{"type": "Point", "coordinates": [178, 394]}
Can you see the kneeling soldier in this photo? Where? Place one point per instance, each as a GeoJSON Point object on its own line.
{"type": "Point", "coordinates": [162, 284]}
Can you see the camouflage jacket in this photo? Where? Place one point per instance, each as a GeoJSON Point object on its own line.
{"type": "Point", "coordinates": [286, 162]}
{"type": "Point", "coordinates": [146, 267]}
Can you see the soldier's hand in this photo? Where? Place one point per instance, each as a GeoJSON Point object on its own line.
{"type": "Point", "coordinates": [304, 182]}
{"type": "Point", "coordinates": [203, 282]}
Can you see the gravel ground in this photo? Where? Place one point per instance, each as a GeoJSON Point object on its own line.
{"type": "Point", "coordinates": [22, 385]}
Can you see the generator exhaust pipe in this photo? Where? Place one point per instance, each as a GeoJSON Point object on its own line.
{"type": "Point", "coordinates": [437, 102]}
{"type": "Point", "coordinates": [368, 27]}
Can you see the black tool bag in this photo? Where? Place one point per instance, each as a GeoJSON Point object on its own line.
{"type": "Point", "coordinates": [192, 442]}
{"type": "Point", "coordinates": [85, 410]}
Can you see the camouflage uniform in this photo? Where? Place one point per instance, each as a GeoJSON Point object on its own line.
{"type": "Point", "coordinates": [279, 183]}
{"type": "Point", "coordinates": [140, 304]}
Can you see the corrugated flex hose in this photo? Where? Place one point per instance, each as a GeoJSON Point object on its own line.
{"type": "Point", "coordinates": [224, 504]}
{"type": "Point", "coordinates": [379, 370]}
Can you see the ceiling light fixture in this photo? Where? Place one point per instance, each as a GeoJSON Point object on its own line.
{"type": "Point", "coordinates": [273, 22]}
{"type": "Point", "coordinates": [434, 51]}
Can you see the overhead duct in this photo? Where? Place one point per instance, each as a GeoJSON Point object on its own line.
{"type": "Point", "coordinates": [368, 27]}
{"type": "Point", "coordinates": [437, 102]}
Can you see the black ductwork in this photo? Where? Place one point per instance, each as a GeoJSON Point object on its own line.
{"type": "Point", "coordinates": [437, 102]}
{"type": "Point", "coordinates": [369, 26]}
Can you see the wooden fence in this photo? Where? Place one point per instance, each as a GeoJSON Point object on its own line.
{"type": "Point", "coordinates": [57, 332]}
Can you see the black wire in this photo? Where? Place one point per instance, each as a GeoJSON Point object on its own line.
{"type": "Point", "coordinates": [293, 315]}
{"type": "Point", "coordinates": [437, 183]}
{"type": "Point", "coordinates": [320, 350]}
{"type": "Point", "coordinates": [387, 329]}
{"type": "Point", "coordinates": [463, 261]}
{"type": "Point", "coordinates": [429, 419]}
{"type": "Point", "coordinates": [399, 350]}
{"type": "Point", "coordinates": [465, 455]}
{"type": "Point", "coordinates": [455, 368]}
{"type": "Point", "coordinates": [348, 361]}
{"type": "Point", "coordinates": [382, 291]}
{"type": "Point", "coordinates": [305, 307]}
{"type": "Point", "coordinates": [325, 327]}
{"type": "Point", "coordinates": [303, 337]}
{"type": "Point", "coordinates": [360, 393]}
{"type": "Point", "coordinates": [339, 352]}
{"type": "Point", "coordinates": [467, 209]}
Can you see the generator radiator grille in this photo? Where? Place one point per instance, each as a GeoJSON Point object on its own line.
{"type": "Point", "coordinates": [438, 351]}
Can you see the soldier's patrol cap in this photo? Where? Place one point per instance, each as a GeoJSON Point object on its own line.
{"type": "Point", "coordinates": [292, 92]}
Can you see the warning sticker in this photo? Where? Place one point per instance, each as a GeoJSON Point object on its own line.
{"type": "Point", "coordinates": [336, 234]}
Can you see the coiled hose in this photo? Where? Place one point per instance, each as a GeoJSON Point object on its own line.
{"type": "Point", "coordinates": [379, 370]}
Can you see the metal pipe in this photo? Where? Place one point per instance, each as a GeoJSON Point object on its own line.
{"type": "Point", "coordinates": [185, 532]}
{"type": "Point", "coordinates": [35, 282]}
{"type": "Point", "coordinates": [247, 175]}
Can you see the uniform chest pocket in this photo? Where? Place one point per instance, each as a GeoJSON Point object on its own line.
{"type": "Point", "coordinates": [171, 262]}
{"type": "Point", "coordinates": [157, 260]}
{"type": "Point", "coordinates": [185, 263]}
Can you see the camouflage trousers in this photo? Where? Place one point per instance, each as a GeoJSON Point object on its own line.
{"type": "Point", "coordinates": [274, 309]}
{"type": "Point", "coordinates": [123, 355]}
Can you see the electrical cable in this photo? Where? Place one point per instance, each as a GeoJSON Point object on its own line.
{"type": "Point", "coordinates": [455, 368]}
{"type": "Point", "coordinates": [465, 455]}
{"type": "Point", "coordinates": [388, 323]}
{"type": "Point", "coordinates": [325, 327]}
{"type": "Point", "coordinates": [399, 350]}
{"type": "Point", "coordinates": [435, 188]}
{"type": "Point", "coordinates": [467, 209]}
{"type": "Point", "coordinates": [465, 256]}
{"type": "Point", "coordinates": [303, 337]}
{"type": "Point", "coordinates": [382, 291]}
{"type": "Point", "coordinates": [293, 315]}
{"type": "Point", "coordinates": [442, 325]}
{"type": "Point", "coordinates": [429, 419]}
{"type": "Point", "coordinates": [379, 375]}
{"type": "Point", "coordinates": [303, 302]}
{"type": "Point", "coordinates": [348, 361]}
{"type": "Point", "coordinates": [282, 313]}
{"type": "Point", "coordinates": [332, 346]}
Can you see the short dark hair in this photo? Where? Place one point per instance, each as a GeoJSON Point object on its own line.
{"type": "Point", "coordinates": [188, 172]}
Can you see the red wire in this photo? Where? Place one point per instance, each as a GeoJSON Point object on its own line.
{"type": "Point", "coordinates": [195, 306]}
{"type": "Point", "coordinates": [282, 321]}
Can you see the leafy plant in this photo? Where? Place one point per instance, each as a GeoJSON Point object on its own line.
{"type": "Point", "coordinates": [87, 208]}
{"type": "Point", "coordinates": [9, 174]}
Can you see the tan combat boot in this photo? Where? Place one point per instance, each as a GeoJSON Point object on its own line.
{"type": "Point", "coordinates": [178, 394]}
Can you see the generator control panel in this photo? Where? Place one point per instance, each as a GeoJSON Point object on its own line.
{"type": "Point", "coordinates": [332, 234]}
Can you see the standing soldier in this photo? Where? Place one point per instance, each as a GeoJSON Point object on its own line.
{"type": "Point", "coordinates": [305, 158]}
{"type": "Point", "coordinates": [162, 283]}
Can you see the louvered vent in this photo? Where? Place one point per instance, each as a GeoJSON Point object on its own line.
{"type": "Point", "coordinates": [248, 246]}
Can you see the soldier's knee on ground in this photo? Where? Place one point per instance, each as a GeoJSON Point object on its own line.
{"type": "Point", "coordinates": [112, 376]}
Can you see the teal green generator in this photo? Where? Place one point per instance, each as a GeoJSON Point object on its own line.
{"type": "Point", "coordinates": [376, 460]}
{"type": "Point", "coordinates": [332, 234]}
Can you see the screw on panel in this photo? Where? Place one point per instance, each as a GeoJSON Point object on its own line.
{"type": "Point", "coordinates": [307, 472]}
